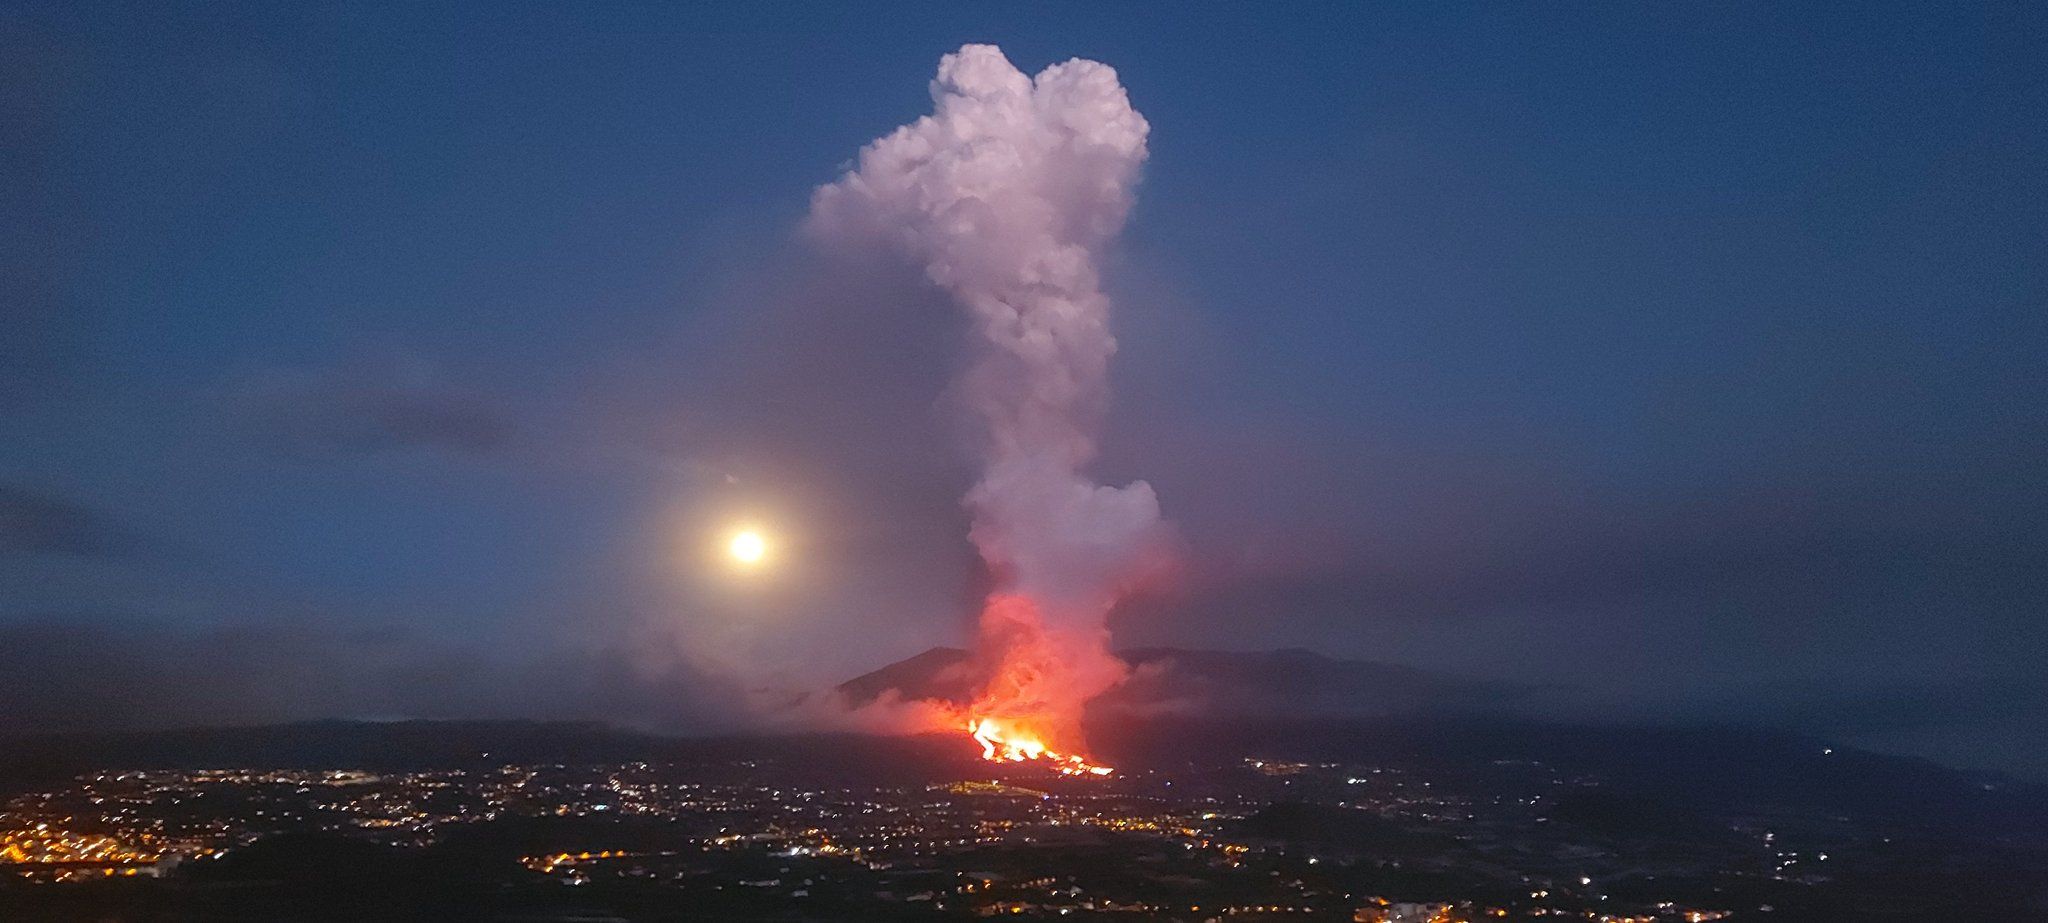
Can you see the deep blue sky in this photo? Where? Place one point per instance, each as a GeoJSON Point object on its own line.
{"type": "Point", "coordinates": [400, 359]}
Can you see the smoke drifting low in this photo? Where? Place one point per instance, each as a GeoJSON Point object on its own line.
{"type": "Point", "coordinates": [1006, 196]}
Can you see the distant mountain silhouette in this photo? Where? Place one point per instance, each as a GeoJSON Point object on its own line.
{"type": "Point", "coordinates": [941, 673]}
{"type": "Point", "coordinates": [1684, 770]}
{"type": "Point", "coordinates": [1180, 708]}
{"type": "Point", "coordinates": [1184, 706]}
{"type": "Point", "coordinates": [1179, 681]}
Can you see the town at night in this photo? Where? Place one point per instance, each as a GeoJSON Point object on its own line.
{"type": "Point", "coordinates": [1387, 461]}
{"type": "Point", "coordinates": [837, 828]}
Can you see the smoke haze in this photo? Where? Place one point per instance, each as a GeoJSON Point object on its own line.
{"type": "Point", "coordinates": [372, 361]}
{"type": "Point", "coordinates": [1005, 196]}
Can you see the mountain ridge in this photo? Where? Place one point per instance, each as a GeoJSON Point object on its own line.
{"type": "Point", "coordinates": [1286, 682]}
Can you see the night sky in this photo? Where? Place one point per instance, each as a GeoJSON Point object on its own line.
{"type": "Point", "coordinates": [401, 360]}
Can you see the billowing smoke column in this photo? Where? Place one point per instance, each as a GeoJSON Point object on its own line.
{"type": "Point", "coordinates": [1006, 195]}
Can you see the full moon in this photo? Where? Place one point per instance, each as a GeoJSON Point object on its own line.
{"type": "Point", "coordinates": [748, 547]}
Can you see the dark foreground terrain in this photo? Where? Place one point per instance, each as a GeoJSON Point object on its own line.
{"type": "Point", "coordinates": [1382, 819]}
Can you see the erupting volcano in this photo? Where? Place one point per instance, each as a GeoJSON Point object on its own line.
{"type": "Point", "coordinates": [1006, 196]}
{"type": "Point", "coordinates": [998, 744]}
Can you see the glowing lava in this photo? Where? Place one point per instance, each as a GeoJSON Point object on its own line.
{"type": "Point", "coordinates": [1038, 682]}
{"type": "Point", "coordinates": [999, 745]}
{"type": "Point", "coordinates": [1008, 196]}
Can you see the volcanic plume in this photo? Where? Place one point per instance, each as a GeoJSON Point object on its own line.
{"type": "Point", "coordinates": [1006, 196]}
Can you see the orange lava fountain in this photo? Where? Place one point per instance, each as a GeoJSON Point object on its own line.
{"type": "Point", "coordinates": [1040, 679]}
{"type": "Point", "coordinates": [1008, 196]}
{"type": "Point", "coordinates": [998, 745]}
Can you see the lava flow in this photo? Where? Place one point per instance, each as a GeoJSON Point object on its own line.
{"type": "Point", "coordinates": [1007, 196]}
{"type": "Point", "coordinates": [998, 745]}
{"type": "Point", "coordinates": [1038, 679]}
